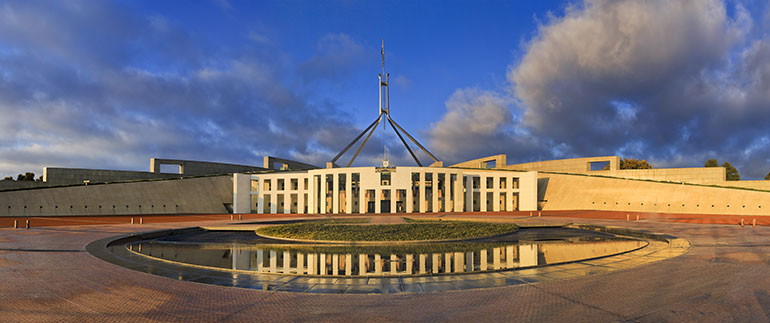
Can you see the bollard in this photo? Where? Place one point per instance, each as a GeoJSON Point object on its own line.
{"type": "Point", "coordinates": [538, 214]}
{"type": "Point", "coordinates": [132, 220]}
{"type": "Point", "coordinates": [240, 216]}
{"type": "Point", "coordinates": [27, 224]}
{"type": "Point", "coordinates": [15, 224]}
{"type": "Point", "coordinates": [754, 223]}
{"type": "Point", "coordinates": [231, 217]}
{"type": "Point", "coordinates": [628, 217]}
{"type": "Point", "coordinates": [530, 213]}
{"type": "Point", "coordinates": [741, 223]}
{"type": "Point", "coordinates": [637, 217]}
{"type": "Point", "coordinates": [141, 220]}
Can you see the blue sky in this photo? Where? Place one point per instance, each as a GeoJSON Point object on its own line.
{"type": "Point", "coordinates": [103, 84]}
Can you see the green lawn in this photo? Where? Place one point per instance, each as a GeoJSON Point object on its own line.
{"type": "Point", "coordinates": [428, 230]}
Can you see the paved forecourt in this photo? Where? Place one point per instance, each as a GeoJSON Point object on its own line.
{"type": "Point", "coordinates": [48, 276]}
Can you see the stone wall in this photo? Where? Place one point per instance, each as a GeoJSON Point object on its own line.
{"type": "Point", "coordinates": [189, 195]}
{"type": "Point", "coordinates": [578, 192]}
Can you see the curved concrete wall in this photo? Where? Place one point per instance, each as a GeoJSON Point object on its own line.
{"type": "Point", "coordinates": [576, 192]}
{"type": "Point", "coordinates": [190, 195]}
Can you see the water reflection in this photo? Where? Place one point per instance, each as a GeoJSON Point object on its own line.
{"type": "Point", "coordinates": [363, 261]}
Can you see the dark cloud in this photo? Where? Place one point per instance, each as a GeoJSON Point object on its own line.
{"type": "Point", "coordinates": [88, 84]}
{"type": "Point", "coordinates": [675, 82]}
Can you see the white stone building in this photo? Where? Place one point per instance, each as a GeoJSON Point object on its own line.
{"type": "Point", "coordinates": [385, 190]}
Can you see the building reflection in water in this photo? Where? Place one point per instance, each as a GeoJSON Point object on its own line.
{"type": "Point", "coordinates": [285, 260]}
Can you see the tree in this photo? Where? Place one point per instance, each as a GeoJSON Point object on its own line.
{"type": "Point", "coordinates": [711, 163]}
{"type": "Point", "coordinates": [8, 178]}
{"type": "Point", "coordinates": [732, 173]}
{"type": "Point", "coordinates": [630, 163]}
{"type": "Point", "coordinates": [767, 177]}
{"type": "Point", "coordinates": [26, 177]}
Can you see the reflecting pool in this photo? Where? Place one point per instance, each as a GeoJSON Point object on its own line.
{"type": "Point", "coordinates": [247, 252]}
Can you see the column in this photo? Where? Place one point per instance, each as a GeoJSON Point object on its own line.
{"type": "Point", "coordinates": [393, 264]}
{"type": "Point", "coordinates": [349, 193]}
{"type": "Point", "coordinates": [447, 191]}
{"type": "Point", "coordinates": [496, 258]}
{"type": "Point", "coordinates": [483, 260]}
{"type": "Point", "coordinates": [286, 262]}
{"type": "Point", "coordinates": [409, 264]}
{"type": "Point", "coordinates": [260, 260]}
{"type": "Point", "coordinates": [311, 264]}
{"type": "Point", "coordinates": [377, 200]}
{"type": "Point", "coordinates": [322, 264]}
{"type": "Point", "coordinates": [448, 262]}
{"type": "Point", "coordinates": [336, 193]}
{"type": "Point", "coordinates": [422, 263]}
{"type": "Point", "coordinates": [435, 206]}
{"type": "Point", "coordinates": [435, 260]}
{"type": "Point", "coordinates": [509, 257]}
{"type": "Point", "coordinates": [273, 261]}
{"type": "Point", "coordinates": [301, 263]}
{"type": "Point", "coordinates": [378, 264]}
{"type": "Point", "coordinates": [362, 205]}
{"type": "Point", "coordinates": [509, 200]}
{"type": "Point", "coordinates": [311, 192]}
{"type": "Point", "coordinates": [409, 196]}
{"type": "Point", "coordinates": [459, 262]}
{"type": "Point", "coordinates": [421, 202]}
{"type": "Point", "coordinates": [483, 193]}
{"type": "Point", "coordinates": [348, 264]}
{"type": "Point", "coordinates": [260, 198]}
{"type": "Point", "coordinates": [496, 194]}
{"type": "Point", "coordinates": [393, 196]}
{"type": "Point", "coordinates": [469, 261]}
{"type": "Point", "coordinates": [323, 193]}
{"type": "Point", "coordinates": [301, 189]}
{"type": "Point", "coordinates": [459, 195]}
{"type": "Point", "coordinates": [335, 264]}
{"type": "Point", "coordinates": [362, 259]}
{"type": "Point", "coordinates": [469, 194]}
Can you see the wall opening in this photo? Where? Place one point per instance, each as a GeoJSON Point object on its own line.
{"type": "Point", "coordinates": [600, 165]}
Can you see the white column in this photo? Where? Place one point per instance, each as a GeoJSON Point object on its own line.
{"type": "Point", "coordinates": [362, 205]}
{"type": "Point", "coordinates": [393, 264]}
{"type": "Point", "coordinates": [483, 193]}
{"type": "Point", "coordinates": [348, 264]}
{"type": "Point", "coordinates": [286, 262]}
{"type": "Point", "coordinates": [447, 192]}
{"type": "Point", "coordinates": [362, 259]}
{"type": "Point", "coordinates": [459, 259]}
{"type": "Point", "coordinates": [260, 197]}
{"type": "Point", "coordinates": [323, 193]}
{"type": "Point", "coordinates": [301, 189]}
{"type": "Point", "coordinates": [509, 198]}
{"type": "Point", "coordinates": [349, 193]}
{"type": "Point", "coordinates": [336, 193]}
{"type": "Point", "coordinates": [421, 202]}
{"type": "Point", "coordinates": [311, 192]}
{"type": "Point", "coordinates": [509, 257]}
{"type": "Point", "coordinates": [377, 200]}
{"type": "Point", "coordinates": [409, 197]}
{"type": "Point", "coordinates": [496, 258]}
{"type": "Point", "coordinates": [322, 264]}
{"type": "Point", "coordinates": [496, 194]}
{"type": "Point", "coordinates": [273, 199]}
{"type": "Point", "coordinates": [469, 261]}
{"type": "Point", "coordinates": [393, 198]}
{"type": "Point", "coordinates": [335, 264]}
{"type": "Point", "coordinates": [311, 264]}
{"type": "Point", "coordinates": [378, 264]}
{"type": "Point", "coordinates": [483, 260]}
{"type": "Point", "coordinates": [422, 263]}
{"type": "Point", "coordinates": [469, 194]}
{"type": "Point", "coordinates": [436, 260]}
{"type": "Point", "coordinates": [459, 201]}
{"type": "Point", "coordinates": [448, 262]}
{"type": "Point", "coordinates": [273, 261]}
{"type": "Point", "coordinates": [434, 205]}
{"type": "Point", "coordinates": [301, 263]}
{"type": "Point", "coordinates": [409, 264]}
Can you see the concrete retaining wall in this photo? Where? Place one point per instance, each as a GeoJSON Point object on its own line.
{"type": "Point", "coordinates": [193, 195]}
{"type": "Point", "coordinates": [576, 192]}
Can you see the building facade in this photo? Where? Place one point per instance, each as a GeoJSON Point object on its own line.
{"type": "Point", "coordinates": [358, 190]}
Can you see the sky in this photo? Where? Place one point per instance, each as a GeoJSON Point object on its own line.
{"type": "Point", "coordinates": [111, 84]}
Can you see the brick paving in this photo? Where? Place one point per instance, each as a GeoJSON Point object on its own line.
{"type": "Point", "coordinates": [46, 275]}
